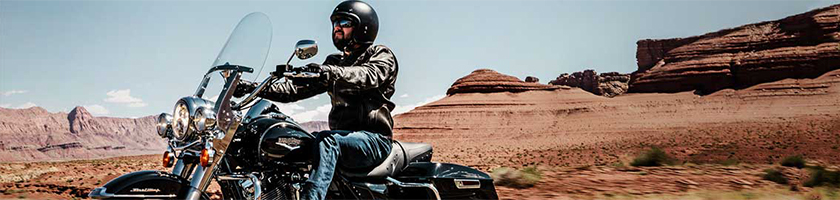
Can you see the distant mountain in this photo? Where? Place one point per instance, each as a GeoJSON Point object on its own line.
{"type": "Point", "coordinates": [33, 134]}
{"type": "Point", "coordinates": [315, 126]}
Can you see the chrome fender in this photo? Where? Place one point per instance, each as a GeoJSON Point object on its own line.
{"type": "Point", "coordinates": [143, 184]}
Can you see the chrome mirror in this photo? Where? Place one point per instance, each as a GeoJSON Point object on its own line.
{"type": "Point", "coordinates": [306, 49]}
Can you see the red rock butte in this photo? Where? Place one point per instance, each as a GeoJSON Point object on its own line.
{"type": "Point", "coordinates": [806, 45]}
{"type": "Point", "coordinates": [488, 81]}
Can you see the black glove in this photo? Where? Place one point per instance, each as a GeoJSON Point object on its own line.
{"type": "Point", "coordinates": [310, 68]}
{"type": "Point", "coordinates": [243, 88]}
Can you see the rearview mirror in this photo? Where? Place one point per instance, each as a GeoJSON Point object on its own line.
{"type": "Point", "coordinates": [306, 49]}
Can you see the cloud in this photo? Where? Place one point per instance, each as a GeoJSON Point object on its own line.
{"type": "Point", "coordinates": [124, 97]}
{"type": "Point", "coordinates": [321, 113]}
{"type": "Point", "coordinates": [27, 105]}
{"type": "Point", "coordinates": [288, 108]}
{"type": "Point", "coordinates": [96, 109]}
{"type": "Point", "coordinates": [404, 96]}
{"type": "Point", "coordinates": [11, 92]}
{"type": "Point", "coordinates": [21, 106]}
{"type": "Point", "coordinates": [402, 109]}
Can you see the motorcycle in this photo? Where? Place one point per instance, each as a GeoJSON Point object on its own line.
{"type": "Point", "coordinates": [254, 151]}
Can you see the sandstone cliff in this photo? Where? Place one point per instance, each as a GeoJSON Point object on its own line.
{"type": "Point", "coordinates": [33, 134]}
{"type": "Point", "coordinates": [486, 80]}
{"type": "Point", "coordinates": [801, 46]}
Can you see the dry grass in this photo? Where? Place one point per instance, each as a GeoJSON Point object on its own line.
{"type": "Point", "coordinates": [524, 178]}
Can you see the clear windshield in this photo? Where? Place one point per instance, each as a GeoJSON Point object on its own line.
{"type": "Point", "coordinates": [248, 46]}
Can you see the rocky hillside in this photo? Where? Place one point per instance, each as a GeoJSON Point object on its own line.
{"type": "Point", "coordinates": [800, 46]}
{"type": "Point", "coordinates": [486, 80]}
{"type": "Point", "coordinates": [571, 127]}
{"type": "Point", "coordinates": [314, 126]}
{"type": "Point", "coordinates": [33, 134]}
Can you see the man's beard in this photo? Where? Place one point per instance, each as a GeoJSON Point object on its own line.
{"type": "Point", "coordinates": [341, 42]}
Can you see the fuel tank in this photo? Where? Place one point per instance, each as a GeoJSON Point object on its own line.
{"type": "Point", "coordinates": [279, 138]}
{"type": "Point", "coordinates": [273, 134]}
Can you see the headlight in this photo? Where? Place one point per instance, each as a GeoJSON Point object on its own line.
{"type": "Point", "coordinates": [181, 121]}
{"type": "Point", "coordinates": [163, 124]}
{"type": "Point", "coordinates": [205, 119]}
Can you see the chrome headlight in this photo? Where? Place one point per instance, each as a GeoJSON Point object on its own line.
{"type": "Point", "coordinates": [181, 121]}
{"type": "Point", "coordinates": [205, 119]}
{"type": "Point", "coordinates": [163, 125]}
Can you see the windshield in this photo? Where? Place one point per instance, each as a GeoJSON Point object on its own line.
{"type": "Point", "coordinates": [248, 46]}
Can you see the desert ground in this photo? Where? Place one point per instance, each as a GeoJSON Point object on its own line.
{"type": "Point", "coordinates": [582, 144]}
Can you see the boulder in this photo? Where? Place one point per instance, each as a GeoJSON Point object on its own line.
{"type": "Point", "coordinates": [608, 84]}
{"type": "Point", "coordinates": [531, 79]}
{"type": "Point", "coordinates": [800, 46]}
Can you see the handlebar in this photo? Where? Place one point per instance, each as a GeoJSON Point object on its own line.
{"type": "Point", "coordinates": [270, 79]}
{"type": "Point", "coordinates": [301, 75]}
{"type": "Point", "coordinates": [253, 94]}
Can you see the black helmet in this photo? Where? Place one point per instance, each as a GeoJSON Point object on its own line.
{"type": "Point", "coordinates": [364, 18]}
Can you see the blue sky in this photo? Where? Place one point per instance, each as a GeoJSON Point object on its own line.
{"type": "Point", "coordinates": [136, 58]}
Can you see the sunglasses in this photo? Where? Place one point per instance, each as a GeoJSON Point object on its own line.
{"type": "Point", "coordinates": [343, 23]}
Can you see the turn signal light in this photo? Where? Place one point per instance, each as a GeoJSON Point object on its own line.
{"type": "Point", "coordinates": [168, 159]}
{"type": "Point", "coordinates": [206, 155]}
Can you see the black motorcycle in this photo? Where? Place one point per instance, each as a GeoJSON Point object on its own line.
{"type": "Point", "coordinates": [254, 151]}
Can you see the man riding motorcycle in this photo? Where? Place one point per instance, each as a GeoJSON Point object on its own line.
{"type": "Point", "coordinates": [360, 82]}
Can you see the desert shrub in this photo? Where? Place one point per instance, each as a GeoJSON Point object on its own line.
{"type": "Point", "coordinates": [730, 162]}
{"type": "Point", "coordinates": [510, 177]}
{"type": "Point", "coordinates": [652, 157]}
{"type": "Point", "coordinates": [794, 161]}
{"type": "Point", "coordinates": [775, 176]}
{"type": "Point", "coordinates": [820, 177]}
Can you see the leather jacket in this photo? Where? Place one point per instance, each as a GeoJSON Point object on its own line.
{"type": "Point", "coordinates": [360, 86]}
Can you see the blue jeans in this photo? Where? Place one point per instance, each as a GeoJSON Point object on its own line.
{"type": "Point", "coordinates": [350, 149]}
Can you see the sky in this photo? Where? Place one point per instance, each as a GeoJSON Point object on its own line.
{"type": "Point", "coordinates": [137, 58]}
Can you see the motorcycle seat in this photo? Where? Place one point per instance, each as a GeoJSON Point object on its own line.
{"type": "Point", "coordinates": [402, 153]}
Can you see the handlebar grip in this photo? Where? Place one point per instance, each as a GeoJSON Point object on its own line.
{"type": "Point", "coordinates": [301, 75]}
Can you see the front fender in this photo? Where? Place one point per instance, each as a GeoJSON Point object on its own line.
{"type": "Point", "coordinates": [143, 184]}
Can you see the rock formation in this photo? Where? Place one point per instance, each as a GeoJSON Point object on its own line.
{"type": "Point", "coordinates": [759, 124]}
{"type": "Point", "coordinates": [487, 81]}
{"type": "Point", "coordinates": [531, 79]}
{"type": "Point", "coordinates": [33, 134]}
{"type": "Point", "coordinates": [80, 119]}
{"type": "Point", "coordinates": [607, 84]}
{"type": "Point", "coordinates": [801, 46]}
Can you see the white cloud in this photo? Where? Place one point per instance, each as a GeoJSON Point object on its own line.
{"type": "Point", "coordinates": [11, 92]}
{"type": "Point", "coordinates": [27, 105]}
{"type": "Point", "coordinates": [320, 113]}
{"type": "Point", "coordinates": [137, 105]}
{"type": "Point", "coordinates": [21, 106]}
{"type": "Point", "coordinates": [124, 97]}
{"type": "Point", "coordinates": [403, 109]}
{"type": "Point", "coordinates": [404, 96]}
{"type": "Point", "coordinates": [288, 108]}
{"type": "Point", "coordinates": [96, 109]}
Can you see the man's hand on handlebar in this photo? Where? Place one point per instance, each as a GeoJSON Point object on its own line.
{"type": "Point", "coordinates": [308, 74]}
{"type": "Point", "coordinates": [244, 88]}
